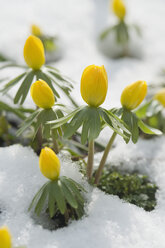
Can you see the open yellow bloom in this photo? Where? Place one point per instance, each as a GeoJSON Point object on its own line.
{"type": "Point", "coordinates": [94, 85]}
{"type": "Point", "coordinates": [5, 238]}
{"type": "Point", "coordinates": [34, 52]}
{"type": "Point", "coordinates": [133, 95]}
{"type": "Point", "coordinates": [160, 96]}
{"type": "Point", "coordinates": [42, 94]}
{"type": "Point", "coordinates": [49, 163]}
{"type": "Point", "coordinates": [35, 30]}
{"type": "Point", "coordinates": [119, 9]}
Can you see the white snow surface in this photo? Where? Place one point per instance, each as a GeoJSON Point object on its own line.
{"type": "Point", "coordinates": [109, 222]}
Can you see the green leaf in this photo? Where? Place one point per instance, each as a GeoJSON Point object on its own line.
{"type": "Point", "coordinates": [6, 107]}
{"type": "Point", "coordinates": [79, 186]}
{"type": "Point", "coordinates": [106, 32]}
{"type": "Point", "coordinates": [114, 123]}
{"type": "Point", "coordinates": [116, 111]}
{"type": "Point", "coordinates": [69, 196]}
{"type": "Point", "coordinates": [90, 119]}
{"type": "Point", "coordinates": [132, 122]}
{"type": "Point", "coordinates": [59, 122]}
{"type": "Point", "coordinates": [28, 122]}
{"type": "Point", "coordinates": [122, 35]}
{"type": "Point", "coordinates": [12, 82]}
{"type": "Point", "coordinates": [85, 131]}
{"type": "Point", "coordinates": [59, 196]}
{"type": "Point", "coordinates": [44, 116]}
{"type": "Point", "coordinates": [60, 77]}
{"type": "Point", "coordinates": [75, 123]}
{"type": "Point", "coordinates": [41, 201]}
{"type": "Point", "coordinates": [73, 187]}
{"type": "Point", "coordinates": [38, 194]}
{"type": "Point", "coordinates": [51, 201]}
{"type": "Point", "coordinates": [147, 129]}
{"type": "Point", "coordinates": [24, 88]}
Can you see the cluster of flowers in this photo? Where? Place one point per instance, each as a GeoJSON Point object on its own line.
{"type": "Point", "coordinates": [62, 194]}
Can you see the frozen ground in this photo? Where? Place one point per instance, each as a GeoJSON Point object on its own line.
{"type": "Point", "coordinates": [110, 223]}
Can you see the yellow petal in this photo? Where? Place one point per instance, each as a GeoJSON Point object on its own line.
{"type": "Point", "coordinates": [49, 163]}
{"type": "Point", "coordinates": [160, 96]}
{"type": "Point", "coordinates": [5, 238]}
{"type": "Point", "coordinates": [94, 85]}
{"type": "Point", "coordinates": [34, 52]}
{"type": "Point", "coordinates": [42, 94]}
{"type": "Point", "coordinates": [35, 30]}
{"type": "Point", "coordinates": [133, 95]}
{"type": "Point", "coordinates": [119, 9]}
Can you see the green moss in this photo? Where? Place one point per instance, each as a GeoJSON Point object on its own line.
{"type": "Point", "coordinates": [134, 188]}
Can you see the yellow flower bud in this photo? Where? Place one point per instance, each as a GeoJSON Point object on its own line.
{"type": "Point", "coordinates": [119, 9]}
{"type": "Point", "coordinates": [35, 30]}
{"type": "Point", "coordinates": [49, 163]}
{"type": "Point", "coordinates": [34, 52]}
{"type": "Point", "coordinates": [133, 95]}
{"type": "Point", "coordinates": [160, 96]}
{"type": "Point", "coordinates": [5, 238]}
{"type": "Point", "coordinates": [42, 94]}
{"type": "Point", "coordinates": [94, 85]}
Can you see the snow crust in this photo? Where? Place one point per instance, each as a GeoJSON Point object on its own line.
{"type": "Point", "coordinates": [110, 223]}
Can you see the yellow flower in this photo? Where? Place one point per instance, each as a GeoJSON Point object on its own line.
{"type": "Point", "coordinates": [119, 9]}
{"type": "Point", "coordinates": [35, 30]}
{"type": "Point", "coordinates": [42, 94]}
{"type": "Point", "coordinates": [133, 95]}
{"type": "Point", "coordinates": [160, 96]}
{"type": "Point", "coordinates": [34, 52]}
{"type": "Point", "coordinates": [5, 238]}
{"type": "Point", "coordinates": [94, 85]}
{"type": "Point", "coordinates": [49, 163]}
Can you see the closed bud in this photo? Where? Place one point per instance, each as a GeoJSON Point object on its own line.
{"type": "Point", "coordinates": [94, 85]}
{"type": "Point", "coordinates": [160, 96]}
{"type": "Point", "coordinates": [5, 238]}
{"type": "Point", "coordinates": [42, 94]}
{"type": "Point", "coordinates": [133, 95]}
{"type": "Point", "coordinates": [35, 30]}
{"type": "Point", "coordinates": [119, 9]}
{"type": "Point", "coordinates": [34, 52]}
{"type": "Point", "coordinates": [49, 163]}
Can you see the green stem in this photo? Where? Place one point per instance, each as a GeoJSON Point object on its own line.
{"type": "Point", "coordinates": [55, 144]}
{"type": "Point", "coordinates": [104, 158]}
{"type": "Point", "coordinates": [90, 159]}
{"type": "Point", "coordinates": [39, 137]}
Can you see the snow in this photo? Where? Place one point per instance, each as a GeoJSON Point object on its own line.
{"type": "Point", "coordinates": [109, 222]}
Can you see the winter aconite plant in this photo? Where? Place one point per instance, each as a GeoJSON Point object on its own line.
{"type": "Point", "coordinates": [92, 118]}
{"type": "Point", "coordinates": [121, 30]}
{"type": "Point", "coordinates": [43, 97]}
{"type": "Point", "coordinates": [34, 56]}
{"type": "Point", "coordinates": [6, 240]}
{"type": "Point", "coordinates": [60, 194]}
{"type": "Point", "coordinates": [131, 98]}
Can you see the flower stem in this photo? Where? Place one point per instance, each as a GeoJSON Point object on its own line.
{"type": "Point", "coordinates": [104, 158]}
{"type": "Point", "coordinates": [55, 144]}
{"type": "Point", "coordinates": [39, 137]}
{"type": "Point", "coordinates": [90, 159]}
